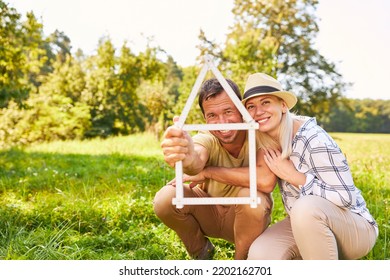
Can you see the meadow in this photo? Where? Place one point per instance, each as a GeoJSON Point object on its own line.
{"type": "Point", "coordinates": [93, 199]}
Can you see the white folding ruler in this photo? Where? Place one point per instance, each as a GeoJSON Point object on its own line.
{"type": "Point", "coordinates": [249, 124]}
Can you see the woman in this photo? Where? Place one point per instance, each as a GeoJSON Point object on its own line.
{"type": "Point", "coordinates": [327, 215]}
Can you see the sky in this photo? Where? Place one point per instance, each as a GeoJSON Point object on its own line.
{"type": "Point", "coordinates": [355, 34]}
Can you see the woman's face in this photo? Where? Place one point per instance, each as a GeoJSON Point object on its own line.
{"type": "Point", "coordinates": [267, 110]}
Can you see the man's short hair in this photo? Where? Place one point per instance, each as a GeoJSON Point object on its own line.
{"type": "Point", "coordinates": [212, 87]}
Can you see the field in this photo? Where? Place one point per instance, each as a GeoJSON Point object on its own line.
{"type": "Point", "coordinates": [92, 200]}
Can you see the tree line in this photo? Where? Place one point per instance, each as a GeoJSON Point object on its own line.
{"type": "Point", "coordinates": [50, 92]}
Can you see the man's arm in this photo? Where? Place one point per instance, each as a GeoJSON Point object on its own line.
{"type": "Point", "coordinates": [239, 176]}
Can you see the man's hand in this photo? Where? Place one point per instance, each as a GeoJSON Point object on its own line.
{"type": "Point", "coordinates": [174, 145]}
{"type": "Point", "coordinates": [177, 145]}
{"type": "Point", "coordinates": [193, 180]}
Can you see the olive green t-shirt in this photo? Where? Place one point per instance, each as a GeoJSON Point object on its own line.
{"type": "Point", "coordinates": [218, 156]}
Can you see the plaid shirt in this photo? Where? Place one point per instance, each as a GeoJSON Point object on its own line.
{"type": "Point", "coordinates": [316, 154]}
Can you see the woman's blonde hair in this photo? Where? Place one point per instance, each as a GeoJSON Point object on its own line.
{"type": "Point", "coordinates": [286, 133]}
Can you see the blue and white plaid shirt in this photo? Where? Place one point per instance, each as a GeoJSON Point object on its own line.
{"type": "Point", "coordinates": [317, 155]}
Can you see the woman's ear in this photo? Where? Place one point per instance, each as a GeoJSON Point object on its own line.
{"type": "Point", "coordinates": [284, 107]}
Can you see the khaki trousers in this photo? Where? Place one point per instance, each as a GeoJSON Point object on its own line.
{"type": "Point", "coordinates": [239, 224]}
{"type": "Point", "coordinates": [317, 229]}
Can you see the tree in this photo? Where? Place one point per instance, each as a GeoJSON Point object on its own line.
{"type": "Point", "coordinates": [129, 118]}
{"type": "Point", "coordinates": [100, 90]}
{"type": "Point", "coordinates": [368, 115]}
{"type": "Point", "coordinates": [190, 75]}
{"type": "Point", "coordinates": [277, 37]}
{"type": "Point", "coordinates": [359, 115]}
{"type": "Point", "coordinates": [13, 85]}
{"type": "Point", "coordinates": [25, 55]}
{"type": "Point", "coordinates": [158, 92]}
{"type": "Point", "coordinates": [112, 85]}
{"type": "Point", "coordinates": [172, 81]}
{"type": "Point", "coordinates": [60, 45]}
{"type": "Point", "coordinates": [54, 113]}
{"type": "Point", "coordinates": [341, 117]}
{"type": "Point", "coordinates": [37, 51]}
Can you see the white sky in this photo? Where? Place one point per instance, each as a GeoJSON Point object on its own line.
{"type": "Point", "coordinates": [353, 33]}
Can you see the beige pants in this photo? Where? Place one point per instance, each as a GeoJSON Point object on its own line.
{"type": "Point", "coordinates": [317, 229]}
{"type": "Point", "coordinates": [240, 224]}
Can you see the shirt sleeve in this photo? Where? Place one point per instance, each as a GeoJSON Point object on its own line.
{"type": "Point", "coordinates": [205, 139]}
{"type": "Point", "coordinates": [328, 175]}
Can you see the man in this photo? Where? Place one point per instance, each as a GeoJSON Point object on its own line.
{"type": "Point", "coordinates": [240, 224]}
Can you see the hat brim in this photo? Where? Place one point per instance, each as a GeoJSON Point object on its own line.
{"type": "Point", "coordinates": [287, 96]}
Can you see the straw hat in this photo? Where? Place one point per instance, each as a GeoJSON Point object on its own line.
{"type": "Point", "coordinates": [262, 84]}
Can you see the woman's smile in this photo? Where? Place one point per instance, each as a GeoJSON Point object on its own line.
{"type": "Point", "coordinates": [263, 120]}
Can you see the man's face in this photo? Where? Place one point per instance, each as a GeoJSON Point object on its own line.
{"type": "Point", "coordinates": [221, 109]}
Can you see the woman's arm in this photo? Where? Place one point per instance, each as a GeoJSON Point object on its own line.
{"type": "Point", "coordinates": [329, 175]}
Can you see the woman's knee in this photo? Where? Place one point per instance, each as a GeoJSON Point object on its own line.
{"type": "Point", "coordinates": [256, 251]}
{"type": "Point", "coordinates": [307, 211]}
{"type": "Point", "coordinates": [270, 248]}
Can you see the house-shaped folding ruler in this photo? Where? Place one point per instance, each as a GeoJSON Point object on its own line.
{"type": "Point", "coordinates": [249, 124]}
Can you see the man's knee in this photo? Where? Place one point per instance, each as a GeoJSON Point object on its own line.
{"type": "Point", "coordinates": [263, 209]}
{"type": "Point", "coordinates": [162, 203]}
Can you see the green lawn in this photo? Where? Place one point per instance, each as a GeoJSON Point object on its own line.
{"type": "Point", "coordinates": [93, 199]}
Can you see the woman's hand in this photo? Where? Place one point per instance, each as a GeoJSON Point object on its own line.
{"type": "Point", "coordinates": [283, 168]}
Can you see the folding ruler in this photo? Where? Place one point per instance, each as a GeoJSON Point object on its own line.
{"type": "Point", "coordinates": [249, 124]}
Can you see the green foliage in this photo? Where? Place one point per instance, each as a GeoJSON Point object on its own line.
{"type": "Point", "coordinates": [36, 50]}
{"type": "Point", "coordinates": [47, 119]}
{"type": "Point", "coordinates": [13, 85]}
{"type": "Point", "coordinates": [100, 89]}
{"type": "Point", "coordinates": [92, 199]}
{"type": "Point", "coordinates": [53, 113]}
{"type": "Point", "coordinates": [353, 115]}
{"type": "Point", "coordinates": [158, 97]}
{"type": "Point", "coordinates": [186, 86]}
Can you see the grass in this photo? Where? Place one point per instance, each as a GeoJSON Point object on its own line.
{"type": "Point", "coordinates": [369, 158]}
{"type": "Point", "coordinates": [92, 200]}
